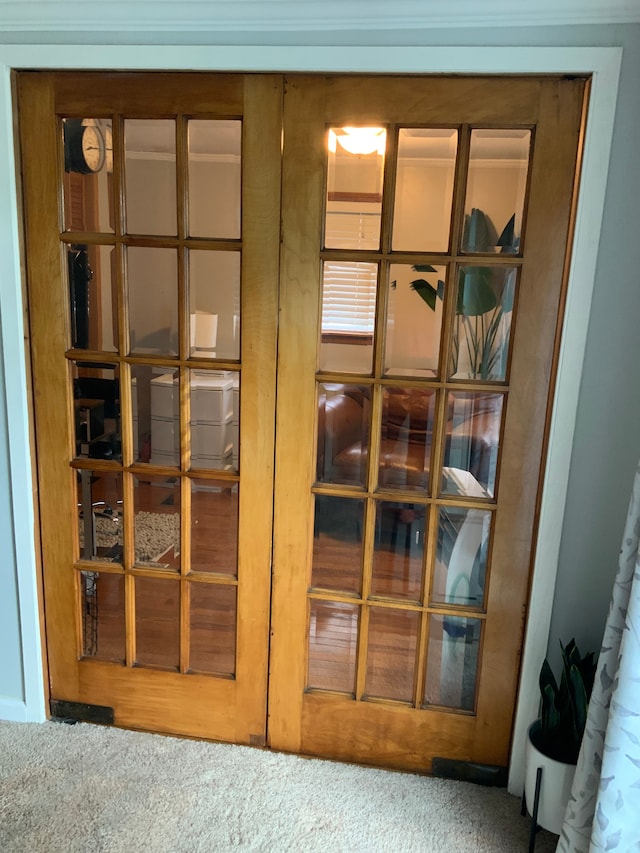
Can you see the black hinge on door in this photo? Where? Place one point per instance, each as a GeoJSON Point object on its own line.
{"type": "Point", "coordinates": [469, 771]}
{"type": "Point", "coordinates": [79, 712]}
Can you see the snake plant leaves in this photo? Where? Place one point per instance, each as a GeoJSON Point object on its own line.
{"type": "Point", "coordinates": [564, 708]}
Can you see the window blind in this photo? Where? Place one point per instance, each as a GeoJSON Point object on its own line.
{"type": "Point", "coordinates": [348, 287]}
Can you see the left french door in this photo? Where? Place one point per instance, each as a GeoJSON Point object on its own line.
{"type": "Point", "coordinates": [152, 212]}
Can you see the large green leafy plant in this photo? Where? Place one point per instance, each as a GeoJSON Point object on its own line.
{"type": "Point", "coordinates": [563, 713]}
{"type": "Point", "coordinates": [484, 297]}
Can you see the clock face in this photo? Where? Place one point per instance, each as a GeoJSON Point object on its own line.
{"type": "Point", "coordinates": [93, 148]}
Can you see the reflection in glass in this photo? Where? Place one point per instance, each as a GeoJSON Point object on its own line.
{"type": "Point", "coordinates": [398, 550]}
{"type": "Point", "coordinates": [482, 325]}
{"type": "Point", "coordinates": [414, 319]}
{"type": "Point", "coordinates": [235, 423]}
{"type": "Point", "coordinates": [471, 445]}
{"type": "Point", "coordinates": [343, 433]}
{"type": "Point", "coordinates": [211, 420]}
{"type": "Point", "coordinates": [214, 526]}
{"type": "Point", "coordinates": [103, 622]}
{"type": "Point", "coordinates": [391, 654]}
{"type": "Point", "coordinates": [157, 608]}
{"type": "Point", "coordinates": [96, 403]}
{"type": "Point", "coordinates": [88, 168]}
{"type": "Point", "coordinates": [214, 178]}
{"type": "Point", "coordinates": [461, 559]}
{"type": "Point", "coordinates": [405, 441]}
{"type": "Point", "coordinates": [150, 176]}
{"type": "Point", "coordinates": [496, 187]}
{"type": "Point", "coordinates": [152, 276]}
{"type": "Point", "coordinates": [157, 522]}
{"type": "Point", "coordinates": [337, 543]}
{"type": "Point", "coordinates": [212, 621]}
{"type": "Point", "coordinates": [155, 402]}
{"type": "Point", "coordinates": [333, 638]}
{"type": "Point", "coordinates": [214, 286]}
{"type": "Point", "coordinates": [99, 502]}
{"type": "Point", "coordinates": [424, 189]}
{"type": "Point", "coordinates": [452, 662]}
{"type": "Point", "coordinates": [355, 170]}
{"type": "Point", "coordinates": [348, 316]}
{"type": "Point", "coordinates": [92, 297]}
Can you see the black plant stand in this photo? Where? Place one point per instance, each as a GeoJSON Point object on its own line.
{"type": "Point", "coordinates": [534, 817]}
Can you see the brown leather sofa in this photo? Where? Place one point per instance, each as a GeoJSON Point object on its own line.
{"type": "Point", "coordinates": [471, 438]}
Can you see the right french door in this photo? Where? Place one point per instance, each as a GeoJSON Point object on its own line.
{"type": "Point", "coordinates": [425, 225]}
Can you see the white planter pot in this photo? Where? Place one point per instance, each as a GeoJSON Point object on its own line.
{"type": "Point", "coordinates": [555, 787]}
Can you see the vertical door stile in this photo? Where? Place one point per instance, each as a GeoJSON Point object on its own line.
{"type": "Point", "coordinates": [303, 135]}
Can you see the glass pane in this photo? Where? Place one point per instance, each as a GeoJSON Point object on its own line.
{"type": "Point", "coordinates": [414, 319]}
{"type": "Point", "coordinates": [355, 170]}
{"type": "Point", "coordinates": [398, 550]}
{"type": "Point", "coordinates": [405, 441]}
{"type": "Point", "coordinates": [348, 316]}
{"type": "Point", "coordinates": [157, 622]}
{"type": "Point", "coordinates": [461, 559]}
{"type": "Point", "coordinates": [96, 403]}
{"type": "Point", "coordinates": [235, 423]}
{"type": "Point", "coordinates": [343, 433]}
{"type": "Point", "coordinates": [155, 402]}
{"type": "Point", "coordinates": [482, 325]}
{"type": "Point", "coordinates": [152, 276]}
{"type": "Point", "coordinates": [424, 189]}
{"type": "Point", "coordinates": [337, 544]}
{"type": "Point", "coordinates": [333, 638]}
{"type": "Point", "coordinates": [99, 502]}
{"type": "Point", "coordinates": [93, 297]}
{"type": "Point", "coordinates": [211, 420]}
{"type": "Point", "coordinates": [471, 444]}
{"type": "Point", "coordinates": [496, 188]}
{"type": "Point", "coordinates": [214, 178]}
{"type": "Point", "coordinates": [150, 176]}
{"type": "Point", "coordinates": [452, 662]}
{"type": "Point", "coordinates": [214, 527]}
{"type": "Point", "coordinates": [157, 522]}
{"type": "Point", "coordinates": [103, 624]}
{"type": "Point", "coordinates": [391, 655]}
{"type": "Point", "coordinates": [212, 622]}
{"type": "Point", "coordinates": [214, 286]}
{"type": "Point", "coordinates": [88, 174]}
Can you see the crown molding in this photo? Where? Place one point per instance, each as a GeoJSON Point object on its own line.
{"type": "Point", "coordinates": [149, 16]}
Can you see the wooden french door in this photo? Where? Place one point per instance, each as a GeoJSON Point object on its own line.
{"type": "Point", "coordinates": [153, 274]}
{"type": "Point", "coordinates": [292, 345]}
{"type": "Point", "coordinates": [408, 447]}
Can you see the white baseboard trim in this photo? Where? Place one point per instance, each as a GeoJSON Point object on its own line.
{"type": "Point", "coordinates": [16, 711]}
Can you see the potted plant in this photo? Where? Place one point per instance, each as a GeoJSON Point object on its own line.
{"type": "Point", "coordinates": [554, 739]}
{"type": "Point", "coordinates": [484, 302]}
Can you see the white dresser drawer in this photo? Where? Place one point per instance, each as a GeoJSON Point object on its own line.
{"type": "Point", "coordinates": [210, 439]}
{"type": "Point", "coordinates": [211, 398]}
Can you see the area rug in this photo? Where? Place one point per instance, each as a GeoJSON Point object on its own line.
{"type": "Point", "coordinates": [156, 533]}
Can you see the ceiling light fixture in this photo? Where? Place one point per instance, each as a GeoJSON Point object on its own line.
{"type": "Point", "coordinates": [359, 140]}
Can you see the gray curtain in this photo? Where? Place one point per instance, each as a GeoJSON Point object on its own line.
{"type": "Point", "coordinates": [603, 813]}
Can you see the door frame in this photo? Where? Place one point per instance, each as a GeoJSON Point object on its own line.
{"type": "Point", "coordinates": [604, 66]}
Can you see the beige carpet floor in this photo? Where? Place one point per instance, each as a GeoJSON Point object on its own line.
{"type": "Point", "coordinates": [88, 789]}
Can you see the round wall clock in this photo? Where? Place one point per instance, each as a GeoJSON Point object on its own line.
{"type": "Point", "coordinates": [84, 147]}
